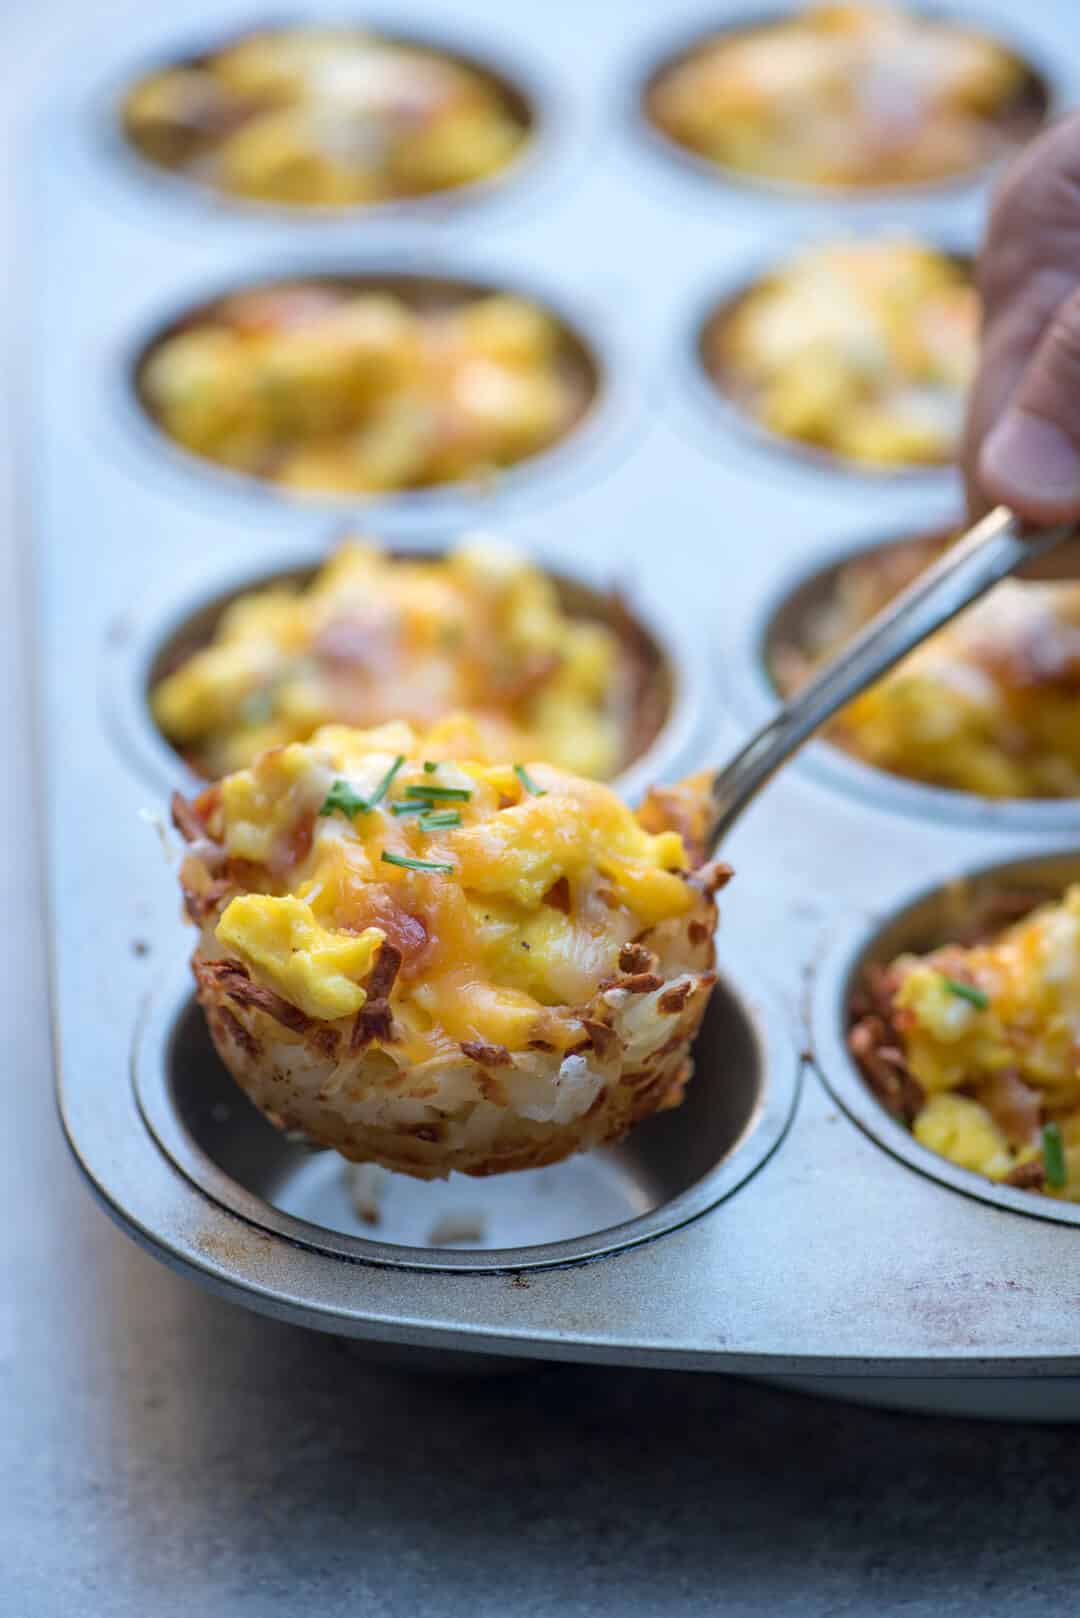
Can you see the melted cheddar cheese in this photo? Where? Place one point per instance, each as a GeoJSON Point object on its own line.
{"type": "Point", "coordinates": [324, 117]}
{"type": "Point", "coordinates": [322, 387]}
{"type": "Point", "coordinates": [509, 897]}
{"type": "Point", "coordinates": [863, 348]}
{"type": "Point", "coordinates": [372, 638]}
{"type": "Point", "coordinates": [988, 705]}
{"type": "Point", "coordinates": [991, 1034]}
{"type": "Point", "coordinates": [849, 95]}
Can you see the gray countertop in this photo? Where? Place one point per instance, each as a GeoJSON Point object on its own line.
{"type": "Point", "coordinates": [165, 1453]}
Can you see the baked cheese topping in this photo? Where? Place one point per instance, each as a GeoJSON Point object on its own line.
{"type": "Point", "coordinates": [324, 117]}
{"type": "Point", "coordinates": [372, 638]}
{"type": "Point", "coordinates": [321, 387]}
{"type": "Point", "coordinates": [988, 705]}
{"type": "Point", "coordinates": [509, 890]}
{"type": "Point", "coordinates": [848, 95]}
{"type": "Point", "coordinates": [863, 348]}
{"type": "Point", "coordinates": [991, 1036]}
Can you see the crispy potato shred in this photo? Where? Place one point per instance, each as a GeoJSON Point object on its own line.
{"type": "Point", "coordinates": [849, 96]}
{"type": "Point", "coordinates": [988, 705]}
{"type": "Point", "coordinates": [373, 638]}
{"type": "Point", "coordinates": [863, 349]}
{"type": "Point", "coordinates": [973, 1046]}
{"type": "Point", "coordinates": [428, 958]}
{"type": "Point", "coordinates": [311, 117]}
{"type": "Point", "coordinates": [327, 387]}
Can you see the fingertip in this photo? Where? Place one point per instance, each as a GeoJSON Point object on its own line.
{"type": "Point", "coordinates": [1030, 464]}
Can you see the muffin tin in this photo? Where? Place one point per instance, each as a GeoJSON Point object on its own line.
{"type": "Point", "coordinates": [770, 1227]}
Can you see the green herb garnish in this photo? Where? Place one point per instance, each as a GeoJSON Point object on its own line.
{"type": "Point", "coordinates": [387, 782]}
{"type": "Point", "coordinates": [967, 991]}
{"type": "Point", "coordinates": [441, 820]}
{"type": "Point", "coordinates": [430, 766]}
{"type": "Point", "coordinates": [415, 806]}
{"type": "Point", "coordinates": [1054, 1156]}
{"type": "Point", "coordinates": [528, 783]}
{"type": "Point", "coordinates": [409, 864]}
{"type": "Point", "coordinates": [341, 796]}
{"type": "Point", "coordinates": [449, 794]}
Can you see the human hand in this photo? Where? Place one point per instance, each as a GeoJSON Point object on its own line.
{"type": "Point", "coordinates": [1022, 443]}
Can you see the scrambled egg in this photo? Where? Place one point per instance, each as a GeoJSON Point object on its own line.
{"type": "Point", "coordinates": [372, 638]}
{"type": "Point", "coordinates": [862, 348]}
{"type": "Point", "coordinates": [324, 117]}
{"type": "Point", "coordinates": [849, 95]}
{"type": "Point", "coordinates": [506, 889]}
{"type": "Point", "coordinates": [322, 387]}
{"type": "Point", "coordinates": [991, 1035]}
{"type": "Point", "coordinates": [989, 705]}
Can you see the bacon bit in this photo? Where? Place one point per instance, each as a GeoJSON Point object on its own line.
{"type": "Point", "coordinates": [640, 983]}
{"type": "Point", "coordinates": [186, 818]}
{"type": "Point", "coordinates": [885, 1070]}
{"type": "Point", "coordinates": [673, 1000]}
{"type": "Point", "coordinates": [200, 904]}
{"type": "Point", "coordinates": [374, 1020]}
{"type": "Point", "coordinates": [698, 933]}
{"type": "Point", "coordinates": [238, 1033]}
{"type": "Point", "coordinates": [558, 896]}
{"type": "Point", "coordinates": [636, 958]}
{"type": "Point", "coordinates": [326, 1040]}
{"type": "Point", "coordinates": [714, 876]}
{"type": "Point", "coordinates": [278, 308]}
{"type": "Point", "coordinates": [294, 846]}
{"type": "Point", "coordinates": [231, 977]}
{"type": "Point", "coordinates": [601, 1037]}
{"type": "Point", "coordinates": [478, 1050]}
{"type": "Point", "coordinates": [1027, 1176]}
{"type": "Point", "coordinates": [1013, 1105]}
{"type": "Point", "coordinates": [540, 1045]}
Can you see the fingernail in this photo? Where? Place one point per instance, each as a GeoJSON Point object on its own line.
{"type": "Point", "coordinates": [1028, 457]}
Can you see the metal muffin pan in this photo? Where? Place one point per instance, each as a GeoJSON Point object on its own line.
{"type": "Point", "coordinates": [762, 1231]}
{"type": "Point", "coordinates": [160, 635]}
{"type": "Point", "coordinates": [1040, 102]}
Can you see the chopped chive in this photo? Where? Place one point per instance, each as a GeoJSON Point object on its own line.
{"type": "Point", "coordinates": [1054, 1156]}
{"type": "Point", "coordinates": [450, 794]}
{"type": "Point", "coordinates": [387, 781]}
{"type": "Point", "coordinates": [409, 864]}
{"type": "Point", "coordinates": [528, 783]}
{"type": "Point", "coordinates": [430, 766]}
{"type": "Point", "coordinates": [341, 796]}
{"type": "Point", "coordinates": [415, 806]}
{"type": "Point", "coordinates": [441, 820]}
{"type": "Point", "coordinates": [967, 991]}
